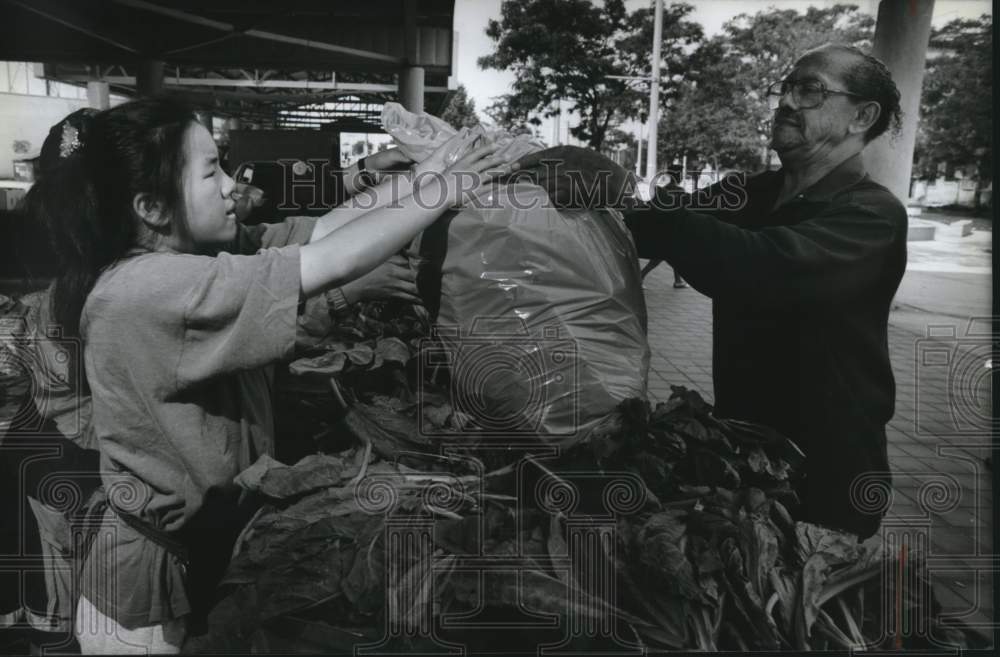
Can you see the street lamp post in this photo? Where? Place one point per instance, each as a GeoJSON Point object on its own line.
{"type": "Point", "coordinates": [654, 95]}
{"type": "Point", "coordinates": [638, 156]}
{"type": "Point", "coordinates": [654, 90]}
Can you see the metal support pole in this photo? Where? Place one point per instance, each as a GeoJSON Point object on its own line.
{"type": "Point", "coordinates": [149, 78]}
{"type": "Point", "coordinates": [98, 95]}
{"type": "Point", "coordinates": [556, 125]}
{"type": "Point", "coordinates": [654, 91]}
{"type": "Point", "coordinates": [411, 88]}
{"type": "Point", "coordinates": [638, 156]}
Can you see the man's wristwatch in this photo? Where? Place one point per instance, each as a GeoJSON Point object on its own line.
{"type": "Point", "coordinates": [367, 178]}
{"type": "Point", "coordinates": [337, 299]}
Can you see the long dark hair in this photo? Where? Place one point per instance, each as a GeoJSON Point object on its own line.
{"type": "Point", "coordinates": [91, 167]}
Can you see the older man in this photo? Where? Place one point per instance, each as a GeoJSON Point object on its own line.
{"type": "Point", "coordinates": [801, 265]}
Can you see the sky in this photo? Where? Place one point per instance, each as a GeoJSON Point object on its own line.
{"type": "Point", "coordinates": [471, 17]}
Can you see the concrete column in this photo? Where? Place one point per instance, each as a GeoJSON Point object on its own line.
{"type": "Point", "coordinates": [98, 95]}
{"type": "Point", "coordinates": [411, 88]}
{"type": "Point", "coordinates": [902, 32]}
{"type": "Point", "coordinates": [149, 78]}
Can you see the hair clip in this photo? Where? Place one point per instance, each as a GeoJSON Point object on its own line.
{"type": "Point", "coordinates": [70, 141]}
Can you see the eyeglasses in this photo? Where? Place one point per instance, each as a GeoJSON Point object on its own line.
{"type": "Point", "coordinates": [806, 94]}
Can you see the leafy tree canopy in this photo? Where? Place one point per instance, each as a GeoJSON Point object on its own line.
{"type": "Point", "coordinates": [956, 127]}
{"type": "Point", "coordinates": [567, 49]}
{"type": "Point", "coordinates": [461, 110]}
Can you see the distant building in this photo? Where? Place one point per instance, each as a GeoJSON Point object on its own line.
{"type": "Point", "coordinates": [959, 189]}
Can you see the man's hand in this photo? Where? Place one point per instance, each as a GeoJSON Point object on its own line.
{"type": "Point", "coordinates": [392, 279]}
{"type": "Point", "coordinates": [247, 198]}
{"type": "Point", "coordinates": [391, 158]}
{"type": "Point", "coordinates": [386, 160]}
{"type": "Point", "coordinates": [577, 177]}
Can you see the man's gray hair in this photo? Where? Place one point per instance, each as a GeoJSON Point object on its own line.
{"type": "Point", "coordinates": [870, 79]}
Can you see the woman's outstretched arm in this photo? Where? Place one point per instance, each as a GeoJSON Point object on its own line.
{"type": "Point", "coordinates": [362, 242]}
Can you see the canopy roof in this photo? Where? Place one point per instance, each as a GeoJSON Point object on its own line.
{"type": "Point", "coordinates": [240, 57]}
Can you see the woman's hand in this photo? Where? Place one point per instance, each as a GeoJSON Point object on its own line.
{"type": "Point", "coordinates": [371, 238]}
{"type": "Point", "coordinates": [447, 154]}
{"type": "Point", "coordinates": [393, 279]}
{"type": "Point", "coordinates": [464, 177]}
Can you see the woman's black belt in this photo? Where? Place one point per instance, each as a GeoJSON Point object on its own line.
{"type": "Point", "coordinates": [158, 536]}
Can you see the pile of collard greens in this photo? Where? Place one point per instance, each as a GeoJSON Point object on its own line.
{"type": "Point", "coordinates": [668, 528]}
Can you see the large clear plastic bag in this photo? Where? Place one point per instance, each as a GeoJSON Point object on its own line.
{"type": "Point", "coordinates": [540, 316]}
{"type": "Point", "coordinates": [418, 135]}
{"type": "Point", "coordinates": [539, 312]}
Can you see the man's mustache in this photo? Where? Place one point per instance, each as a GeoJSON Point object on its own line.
{"type": "Point", "coordinates": [785, 115]}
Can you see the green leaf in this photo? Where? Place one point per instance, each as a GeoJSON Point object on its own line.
{"type": "Point", "coordinates": [664, 560]}
{"type": "Point", "coordinates": [390, 404]}
{"type": "Point", "coordinates": [810, 539]}
{"type": "Point", "coordinates": [312, 573]}
{"type": "Point", "coordinates": [692, 429]}
{"type": "Point", "coordinates": [540, 592]}
{"type": "Point", "coordinates": [818, 549]}
{"type": "Point", "coordinates": [327, 364]}
{"type": "Point", "coordinates": [759, 544]}
{"type": "Point", "coordinates": [437, 416]}
{"type": "Point", "coordinates": [390, 434]}
{"type": "Point", "coordinates": [785, 584]}
{"type": "Point", "coordinates": [870, 564]}
{"type": "Point", "coordinates": [360, 355]}
{"type": "Point", "coordinates": [277, 533]}
{"type": "Point", "coordinates": [750, 605]}
{"type": "Point", "coordinates": [670, 523]}
{"type": "Point", "coordinates": [782, 519]}
{"type": "Point", "coordinates": [392, 350]}
{"type": "Point", "coordinates": [704, 634]}
{"type": "Point", "coordinates": [312, 472]}
{"type": "Point", "coordinates": [251, 477]}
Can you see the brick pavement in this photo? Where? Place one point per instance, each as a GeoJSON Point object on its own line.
{"type": "Point", "coordinates": [942, 490]}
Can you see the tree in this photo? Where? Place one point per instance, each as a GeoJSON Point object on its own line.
{"type": "Point", "coordinates": [769, 42]}
{"type": "Point", "coordinates": [679, 37]}
{"type": "Point", "coordinates": [712, 118]}
{"type": "Point", "coordinates": [619, 140]}
{"type": "Point", "coordinates": [567, 49]}
{"type": "Point", "coordinates": [460, 111]}
{"type": "Point", "coordinates": [720, 112]}
{"type": "Point", "coordinates": [956, 104]}
{"type": "Point", "coordinates": [512, 113]}
{"type": "Point", "coordinates": [561, 49]}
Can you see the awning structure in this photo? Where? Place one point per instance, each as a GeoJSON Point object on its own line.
{"type": "Point", "coordinates": [251, 59]}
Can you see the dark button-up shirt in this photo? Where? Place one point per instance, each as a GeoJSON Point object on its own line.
{"type": "Point", "coordinates": [801, 296]}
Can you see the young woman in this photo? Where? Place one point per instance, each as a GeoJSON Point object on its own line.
{"type": "Point", "coordinates": [180, 312]}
